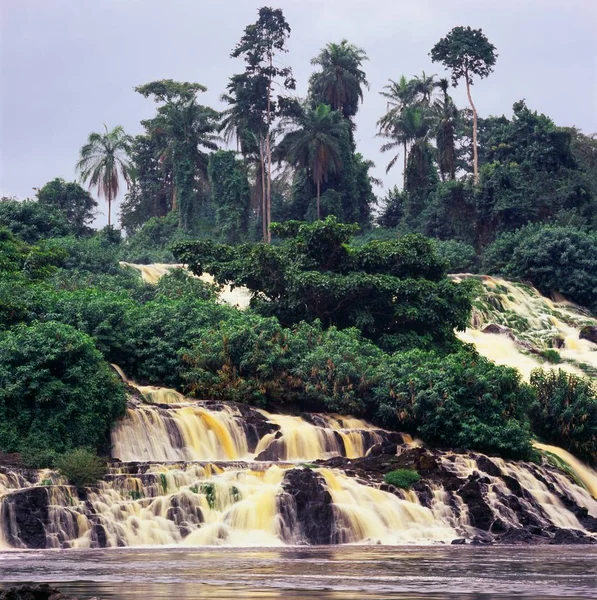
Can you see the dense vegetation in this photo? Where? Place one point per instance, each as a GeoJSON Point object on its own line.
{"type": "Point", "coordinates": [352, 310]}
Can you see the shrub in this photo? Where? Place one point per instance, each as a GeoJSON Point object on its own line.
{"type": "Point", "coordinates": [81, 467]}
{"type": "Point", "coordinates": [455, 400]}
{"type": "Point", "coordinates": [56, 390]}
{"type": "Point", "coordinates": [564, 412]}
{"type": "Point", "coordinates": [32, 221]}
{"type": "Point", "coordinates": [554, 259]}
{"type": "Point", "coordinates": [402, 478]}
{"type": "Point", "coordinates": [458, 256]}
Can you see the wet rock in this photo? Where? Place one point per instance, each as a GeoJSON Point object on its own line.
{"type": "Point", "coordinates": [521, 537]}
{"type": "Point", "coordinates": [25, 515]}
{"type": "Point", "coordinates": [571, 536]}
{"type": "Point", "coordinates": [458, 542]}
{"type": "Point", "coordinates": [589, 332]}
{"type": "Point", "coordinates": [99, 536]}
{"type": "Point", "coordinates": [472, 494]}
{"type": "Point", "coordinates": [38, 591]}
{"type": "Point", "coordinates": [499, 329]}
{"type": "Point", "coordinates": [488, 466]}
{"type": "Point", "coordinates": [307, 507]}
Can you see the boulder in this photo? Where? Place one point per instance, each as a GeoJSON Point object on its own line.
{"type": "Point", "coordinates": [25, 515]}
{"type": "Point", "coordinates": [37, 591]}
{"type": "Point", "coordinates": [566, 537]}
{"type": "Point", "coordinates": [306, 507]}
{"type": "Point", "coordinates": [589, 332]}
{"type": "Point", "coordinates": [499, 329]}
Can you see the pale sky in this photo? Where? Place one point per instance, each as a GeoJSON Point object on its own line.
{"type": "Point", "coordinates": [69, 66]}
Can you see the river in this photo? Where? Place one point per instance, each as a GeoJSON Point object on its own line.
{"type": "Point", "coordinates": [341, 572]}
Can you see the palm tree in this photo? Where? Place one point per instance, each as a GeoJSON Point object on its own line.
{"type": "Point", "coordinates": [399, 94]}
{"type": "Point", "coordinates": [341, 80]}
{"type": "Point", "coordinates": [103, 159]}
{"type": "Point", "coordinates": [446, 114]}
{"type": "Point", "coordinates": [411, 128]}
{"type": "Point", "coordinates": [188, 128]}
{"type": "Point", "coordinates": [315, 144]}
{"type": "Point", "coordinates": [423, 88]}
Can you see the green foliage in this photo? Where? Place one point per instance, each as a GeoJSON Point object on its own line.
{"type": "Point", "coordinates": [564, 412]}
{"type": "Point", "coordinates": [382, 288]}
{"type": "Point", "coordinates": [458, 256]}
{"type": "Point", "coordinates": [81, 467]}
{"type": "Point", "coordinates": [552, 356]}
{"type": "Point", "coordinates": [231, 196]}
{"type": "Point", "coordinates": [209, 490]}
{"type": "Point", "coordinates": [56, 391]}
{"type": "Point", "coordinates": [340, 81]}
{"type": "Point", "coordinates": [457, 400]}
{"type": "Point", "coordinates": [72, 201]}
{"type": "Point", "coordinates": [402, 478]}
{"type": "Point", "coordinates": [32, 221]}
{"type": "Point", "coordinates": [465, 52]}
{"type": "Point", "coordinates": [554, 259]}
{"type": "Point", "coordinates": [152, 241]}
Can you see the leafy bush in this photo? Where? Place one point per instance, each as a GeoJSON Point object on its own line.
{"type": "Point", "coordinates": [81, 466]}
{"type": "Point", "coordinates": [151, 243]}
{"type": "Point", "coordinates": [56, 390]}
{"type": "Point", "coordinates": [564, 412]}
{"type": "Point", "coordinates": [456, 400]}
{"type": "Point", "coordinates": [458, 256]}
{"type": "Point", "coordinates": [402, 478]}
{"type": "Point", "coordinates": [554, 259]}
{"type": "Point", "coordinates": [33, 221]}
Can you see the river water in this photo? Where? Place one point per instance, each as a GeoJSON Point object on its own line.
{"type": "Point", "coordinates": [342, 572]}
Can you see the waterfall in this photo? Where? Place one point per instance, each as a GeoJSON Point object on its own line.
{"type": "Point", "coordinates": [529, 324]}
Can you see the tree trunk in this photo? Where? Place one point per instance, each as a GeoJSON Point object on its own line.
{"type": "Point", "coordinates": [475, 156]}
{"type": "Point", "coordinates": [404, 170]}
{"type": "Point", "coordinates": [318, 205]}
{"type": "Point", "coordinates": [109, 199]}
{"type": "Point", "coordinates": [263, 193]}
{"type": "Point", "coordinates": [268, 151]}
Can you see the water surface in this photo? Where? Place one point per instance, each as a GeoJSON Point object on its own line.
{"type": "Point", "coordinates": [345, 572]}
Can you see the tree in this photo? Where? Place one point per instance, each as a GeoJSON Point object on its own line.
{"type": "Point", "coordinates": [391, 291]}
{"type": "Point", "coordinates": [33, 221]}
{"type": "Point", "coordinates": [72, 200]}
{"type": "Point", "coordinates": [188, 127]}
{"type": "Point", "coordinates": [261, 42]}
{"type": "Point", "coordinates": [446, 114]}
{"type": "Point", "coordinates": [103, 160]}
{"type": "Point", "coordinates": [230, 194]}
{"type": "Point", "coordinates": [56, 390]}
{"type": "Point", "coordinates": [315, 144]}
{"type": "Point", "coordinates": [466, 52]}
{"type": "Point", "coordinates": [341, 80]}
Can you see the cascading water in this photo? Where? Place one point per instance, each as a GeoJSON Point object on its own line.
{"type": "Point", "coordinates": [529, 324]}
{"type": "Point", "coordinates": [196, 473]}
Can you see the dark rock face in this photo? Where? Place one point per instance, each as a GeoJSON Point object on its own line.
{"type": "Point", "coordinates": [589, 332]}
{"type": "Point", "coordinates": [571, 536]}
{"type": "Point", "coordinates": [306, 507]}
{"type": "Point", "coordinates": [25, 515]}
{"type": "Point", "coordinates": [38, 591]}
{"type": "Point", "coordinates": [500, 329]}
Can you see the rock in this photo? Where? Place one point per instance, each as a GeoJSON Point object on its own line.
{"type": "Point", "coordinates": [38, 591]}
{"type": "Point", "coordinates": [306, 507]}
{"type": "Point", "coordinates": [480, 513]}
{"type": "Point", "coordinates": [520, 537]}
{"type": "Point", "coordinates": [458, 542]}
{"type": "Point", "coordinates": [589, 332]}
{"type": "Point", "coordinates": [571, 536]}
{"type": "Point", "coordinates": [499, 329]}
{"type": "Point", "coordinates": [25, 517]}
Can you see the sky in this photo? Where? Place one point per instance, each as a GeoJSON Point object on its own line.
{"type": "Point", "coordinates": [69, 66]}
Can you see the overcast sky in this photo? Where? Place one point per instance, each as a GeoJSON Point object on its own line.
{"type": "Point", "coordinates": [68, 66]}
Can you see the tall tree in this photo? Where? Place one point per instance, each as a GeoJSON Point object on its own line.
{"type": "Point", "coordinates": [466, 52]}
{"type": "Point", "coordinates": [103, 160]}
{"type": "Point", "coordinates": [189, 129]}
{"type": "Point", "coordinates": [341, 80]}
{"type": "Point", "coordinates": [446, 114]}
{"type": "Point", "coordinates": [261, 42]}
{"type": "Point", "coordinates": [315, 144]}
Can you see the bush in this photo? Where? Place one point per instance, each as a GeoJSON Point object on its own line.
{"type": "Point", "coordinates": [458, 256]}
{"type": "Point", "coordinates": [458, 400]}
{"type": "Point", "coordinates": [564, 412]}
{"type": "Point", "coordinates": [32, 221]}
{"type": "Point", "coordinates": [554, 259]}
{"type": "Point", "coordinates": [56, 390]}
{"type": "Point", "coordinates": [81, 466]}
{"type": "Point", "coordinates": [402, 478]}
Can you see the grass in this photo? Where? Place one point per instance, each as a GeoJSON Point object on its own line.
{"type": "Point", "coordinates": [402, 478]}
